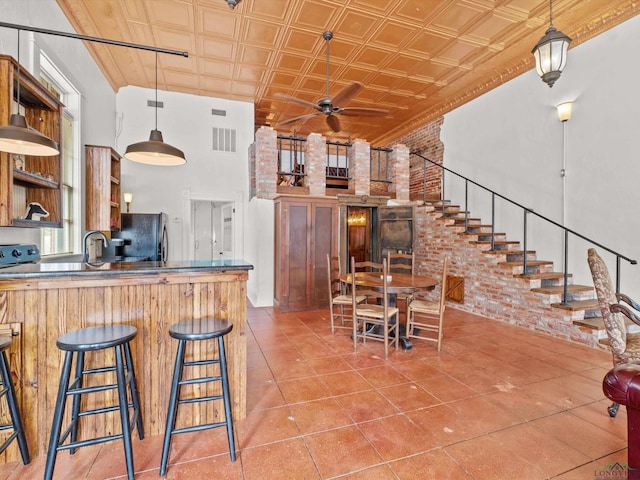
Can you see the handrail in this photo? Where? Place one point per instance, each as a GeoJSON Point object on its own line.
{"type": "Point", "coordinates": [526, 211]}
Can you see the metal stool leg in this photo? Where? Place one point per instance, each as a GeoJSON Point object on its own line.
{"type": "Point", "coordinates": [124, 411]}
{"type": "Point", "coordinates": [226, 397]}
{"type": "Point", "coordinates": [75, 409]}
{"type": "Point", "coordinates": [133, 385]}
{"type": "Point", "coordinates": [13, 408]}
{"type": "Point", "coordinates": [173, 406]}
{"type": "Point", "coordinates": [57, 416]}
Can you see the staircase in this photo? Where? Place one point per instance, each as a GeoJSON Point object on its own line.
{"type": "Point", "coordinates": [496, 285]}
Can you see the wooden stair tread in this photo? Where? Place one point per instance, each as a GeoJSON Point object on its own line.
{"type": "Point", "coordinates": [509, 252]}
{"type": "Point", "coordinates": [478, 233]}
{"type": "Point", "coordinates": [496, 242]}
{"type": "Point", "coordinates": [530, 263]}
{"type": "Point", "coordinates": [594, 323]}
{"type": "Point", "coordinates": [542, 275]}
{"type": "Point", "coordinates": [576, 305]}
{"type": "Point", "coordinates": [560, 289]}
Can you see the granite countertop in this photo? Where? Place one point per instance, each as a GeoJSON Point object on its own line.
{"type": "Point", "coordinates": [47, 269]}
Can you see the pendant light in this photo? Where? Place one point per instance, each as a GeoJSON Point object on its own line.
{"type": "Point", "coordinates": [551, 52]}
{"type": "Point", "coordinates": [18, 138]}
{"type": "Point", "coordinates": [155, 151]}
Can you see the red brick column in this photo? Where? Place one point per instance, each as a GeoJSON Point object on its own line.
{"type": "Point", "coordinates": [359, 168]}
{"type": "Point", "coordinates": [266, 162]}
{"type": "Point", "coordinates": [315, 164]}
{"type": "Point", "coordinates": [399, 174]}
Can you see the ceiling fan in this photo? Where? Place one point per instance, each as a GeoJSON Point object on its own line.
{"type": "Point", "coordinates": [332, 107]}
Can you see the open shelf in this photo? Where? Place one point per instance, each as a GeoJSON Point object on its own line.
{"type": "Point", "coordinates": [31, 179]}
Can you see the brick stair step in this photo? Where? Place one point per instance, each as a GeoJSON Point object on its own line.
{"type": "Point", "coordinates": [576, 305]}
{"type": "Point", "coordinates": [560, 289]}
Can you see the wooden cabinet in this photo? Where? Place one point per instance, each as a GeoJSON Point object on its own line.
{"type": "Point", "coordinates": [306, 229]}
{"type": "Point", "coordinates": [25, 178]}
{"type": "Point", "coordinates": [102, 188]}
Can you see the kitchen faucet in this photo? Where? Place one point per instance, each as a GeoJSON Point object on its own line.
{"type": "Point", "coordinates": [85, 251]}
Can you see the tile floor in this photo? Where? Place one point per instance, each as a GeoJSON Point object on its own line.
{"type": "Point", "coordinates": [498, 402]}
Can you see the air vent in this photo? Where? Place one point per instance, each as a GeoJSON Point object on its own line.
{"type": "Point", "coordinates": [154, 104]}
{"type": "Point", "coordinates": [224, 139]}
{"type": "Point", "coordinates": [220, 113]}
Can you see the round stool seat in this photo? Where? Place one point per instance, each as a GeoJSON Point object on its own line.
{"type": "Point", "coordinates": [5, 342]}
{"type": "Point", "coordinates": [200, 329]}
{"type": "Point", "coordinates": [96, 338]}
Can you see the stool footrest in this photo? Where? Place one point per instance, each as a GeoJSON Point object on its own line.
{"type": "Point", "coordinates": [96, 388]}
{"type": "Point", "coordinates": [92, 441]}
{"type": "Point", "coordinates": [201, 399]}
{"type": "Point", "coordinates": [198, 363]}
{"type": "Point", "coordinates": [191, 381]}
{"type": "Point", "coordinates": [6, 443]}
{"type": "Point", "coordinates": [196, 428]}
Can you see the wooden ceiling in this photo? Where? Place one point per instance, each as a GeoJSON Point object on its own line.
{"type": "Point", "coordinates": [418, 59]}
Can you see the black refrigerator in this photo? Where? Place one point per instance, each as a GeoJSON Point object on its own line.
{"type": "Point", "coordinates": [144, 235]}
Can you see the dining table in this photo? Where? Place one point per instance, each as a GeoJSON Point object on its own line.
{"type": "Point", "coordinates": [405, 283]}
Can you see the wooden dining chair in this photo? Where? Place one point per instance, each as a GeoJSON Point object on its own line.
{"type": "Point", "coordinates": [424, 317]}
{"type": "Point", "coordinates": [373, 321]}
{"type": "Point", "coordinates": [401, 263]}
{"type": "Point", "coordinates": [340, 301]}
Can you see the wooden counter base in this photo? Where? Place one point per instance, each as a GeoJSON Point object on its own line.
{"type": "Point", "coordinates": [39, 310]}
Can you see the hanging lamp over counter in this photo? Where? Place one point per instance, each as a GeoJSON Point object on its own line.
{"type": "Point", "coordinates": [17, 137]}
{"type": "Point", "coordinates": [155, 151]}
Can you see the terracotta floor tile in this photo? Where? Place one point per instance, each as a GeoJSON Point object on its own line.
{"type": "Point", "coordinates": [341, 451]}
{"type": "Point", "coordinates": [602, 468]}
{"type": "Point", "coordinates": [409, 396]}
{"type": "Point", "coordinates": [332, 364]}
{"type": "Point", "coordinates": [344, 382]}
{"type": "Point", "coordinates": [443, 424]}
{"type": "Point", "coordinates": [211, 467]}
{"type": "Point", "coordinates": [446, 388]}
{"type": "Point", "coordinates": [433, 465]}
{"type": "Point", "coordinates": [265, 426]}
{"type": "Point", "coordinates": [264, 395]}
{"type": "Point", "coordinates": [397, 436]}
{"type": "Point", "coordinates": [549, 454]}
{"type": "Point", "coordinates": [280, 460]}
{"type": "Point", "coordinates": [580, 434]}
{"type": "Point", "coordinates": [319, 415]}
{"type": "Point", "coordinates": [367, 405]}
{"type": "Point", "coordinates": [186, 447]}
{"type": "Point", "coordinates": [381, 472]}
{"type": "Point", "coordinates": [597, 414]}
{"type": "Point", "coordinates": [303, 389]}
{"type": "Point", "coordinates": [485, 459]}
{"type": "Point", "coordinates": [382, 376]}
{"type": "Point", "coordinates": [298, 368]}
{"type": "Point", "coordinates": [483, 415]}
{"type": "Point", "coordinates": [524, 404]}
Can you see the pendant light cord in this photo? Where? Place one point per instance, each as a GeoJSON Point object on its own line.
{"type": "Point", "coordinates": [18, 98]}
{"type": "Point", "coordinates": [551, 13]}
{"type": "Point", "coordinates": [156, 105]}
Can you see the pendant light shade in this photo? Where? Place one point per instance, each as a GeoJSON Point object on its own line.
{"type": "Point", "coordinates": [155, 152]}
{"type": "Point", "coordinates": [551, 53]}
{"type": "Point", "coordinates": [18, 138]}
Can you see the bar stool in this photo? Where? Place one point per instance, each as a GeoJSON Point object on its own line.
{"type": "Point", "coordinates": [195, 330]}
{"type": "Point", "coordinates": [10, 393]}
{"type": "Point", "coordinates": [79, 342]}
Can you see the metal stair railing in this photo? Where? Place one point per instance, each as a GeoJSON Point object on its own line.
{"type": "Point", "coordinates": [526, 211]}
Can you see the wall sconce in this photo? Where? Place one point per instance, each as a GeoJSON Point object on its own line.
{"type": "Point", "coordinates": [128, 196]}
{"type": "Point", "coordinates": [564, 111]}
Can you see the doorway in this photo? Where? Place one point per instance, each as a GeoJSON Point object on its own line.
{"type": "Point", "coordinates": [212, 224]}
{"type": "Point", "coordinates": [359, 234]}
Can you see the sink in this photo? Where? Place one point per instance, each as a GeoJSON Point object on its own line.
{"type": "Point", "coordinates": [78, 258]}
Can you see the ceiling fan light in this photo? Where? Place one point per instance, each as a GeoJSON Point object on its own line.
{"type": "Point", "coordinates": [155, 152]}
{"type": "Point", "coordinates": [18, 138]}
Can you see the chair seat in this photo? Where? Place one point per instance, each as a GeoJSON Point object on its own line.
{"type": "Point", "coordinates": [425, 306]}
{"type": "Point", "coordinates": [632, 351]}
{"type": "Point", "coordinates": [346, 299]}
{"type": "Point", "coordinates": [375, 311]}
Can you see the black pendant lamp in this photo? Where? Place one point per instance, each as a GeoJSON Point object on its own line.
{"type": "Point", "coordinates": [17, 137]}
{"type": "Point", "coordinates": [551, 52]}
{"type": "Point", "coordinates": [155, 151]}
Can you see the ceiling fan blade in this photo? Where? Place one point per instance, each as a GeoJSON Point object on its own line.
{"type": "Point", "coordinates": [288, 98]}
{"type": "Point", "coordinates": [333, 122]}
{"type": "Point", "coordinates": [298, 119]}
{"type": "Point", "coordinates": [363, 112]}
{"type": "Point", "coordinates": [346, 94]}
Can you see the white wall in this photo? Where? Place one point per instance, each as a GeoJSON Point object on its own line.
{"type": "Point", "coordinates": [74, 62]}
{"type": "Point", "coordinates": [512, 141]}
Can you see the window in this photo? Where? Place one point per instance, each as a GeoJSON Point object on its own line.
{"type": "Point", "coordinates": [67, 238]}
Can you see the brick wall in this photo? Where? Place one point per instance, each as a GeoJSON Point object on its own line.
{"type": "Point", "coordinates": [266, 162]}
{"type": "Point", "coordinates": [425, 139]}
{"type": "Point", "coordinates": [315, 163]}
{"type": "Point", "coordinates": [489, 289]}
{"type": "Point", "coordinates": [359, 168]}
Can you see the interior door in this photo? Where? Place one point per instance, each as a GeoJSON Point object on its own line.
{"type": "Point", "coordinates": [227, 218]}
{"type": "Point", "coordinates": [203, 229]}
{"type": "Point", "coordinates": [395, 230]}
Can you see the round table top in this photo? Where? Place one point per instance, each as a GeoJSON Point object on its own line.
{"type": "Point", "coordinates": [399, 283]}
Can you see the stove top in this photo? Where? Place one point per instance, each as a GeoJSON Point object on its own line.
{"type": "Point", "coordinates": [18, 253]}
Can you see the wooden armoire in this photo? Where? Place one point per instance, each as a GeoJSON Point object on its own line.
{"type": "Point", "coordinates": [306, 229]}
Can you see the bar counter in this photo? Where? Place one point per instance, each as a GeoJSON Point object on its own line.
{"type": "Point", "coordinates": [41, 301]}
